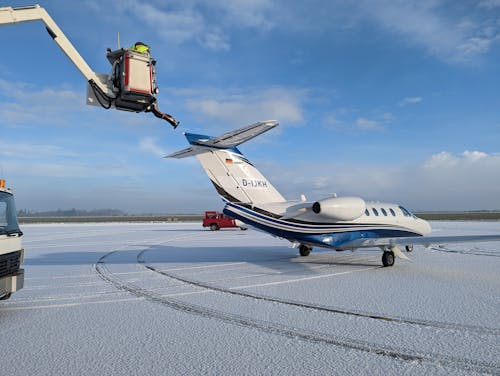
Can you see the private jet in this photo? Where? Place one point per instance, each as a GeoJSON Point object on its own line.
{"type": "Point", "coordinates": [340, 223]}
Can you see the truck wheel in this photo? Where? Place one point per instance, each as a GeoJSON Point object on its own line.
{"type": "Point", "coordinates": [214, 227]}
{"type": "Point", "coordinates": [6, 296]}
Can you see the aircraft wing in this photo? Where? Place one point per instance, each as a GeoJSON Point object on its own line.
{"type": "Point", "coordinates": [422, 240]}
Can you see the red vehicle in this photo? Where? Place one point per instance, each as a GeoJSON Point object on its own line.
{"type": "Point", "coordinates": [216, 220]}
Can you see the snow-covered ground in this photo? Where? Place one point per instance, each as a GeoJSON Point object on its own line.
{"type": "Point", "coordinates": [163, 298]}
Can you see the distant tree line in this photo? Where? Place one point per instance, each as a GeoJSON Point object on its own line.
{"type": "Point", "coordinates": [72, 213]}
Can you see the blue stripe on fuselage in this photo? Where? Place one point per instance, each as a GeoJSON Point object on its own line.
{"type": "Point", "coordinates": [321, 228]}
{"type": "Point", "coordinates": [326, 239]}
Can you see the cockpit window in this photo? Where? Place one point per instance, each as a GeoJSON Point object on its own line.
{"type": "Point", "coordinates": [406, 212]}
{"type": "Point", "coordinates": [392, 212]}
{"type": "Point", "coordinates": [375, 212]}
{"type": "Point", "coordinates": [367, 213]}
{"type": "Point", "coordinates": [384, 212]}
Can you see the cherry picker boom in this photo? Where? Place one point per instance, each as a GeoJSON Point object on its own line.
{"type": "Point", "coordinates": [131, 84]}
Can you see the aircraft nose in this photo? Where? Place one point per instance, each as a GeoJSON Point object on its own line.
{"type": "Point", "coordinates": [426, 227]}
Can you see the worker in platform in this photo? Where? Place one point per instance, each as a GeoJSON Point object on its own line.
{"type": "Point", "coordinates": [153, 107]}
{"type": "Point", "coordinates": [140, 47]}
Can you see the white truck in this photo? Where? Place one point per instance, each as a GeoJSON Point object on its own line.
{"type": "Point", "coordinates": [11, 250]}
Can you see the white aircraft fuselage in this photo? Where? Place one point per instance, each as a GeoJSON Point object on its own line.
{"type": "Point", "coordinates": [377, 220]}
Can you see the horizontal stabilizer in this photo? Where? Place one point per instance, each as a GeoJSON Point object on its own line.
{"type": "Point", "coordinates": [188, 152]}
{"type": "Point", "coordinates": [229, 140]}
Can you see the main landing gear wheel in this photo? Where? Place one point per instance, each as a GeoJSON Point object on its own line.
{"type": "Point", "coordinates": [409, 248]}
{"type": "Point", "coordinates": [214, 227]}
{"type": "Point", "coordinates": [388, 258]}
{"type": "Point", "coordinates": [304, 250]}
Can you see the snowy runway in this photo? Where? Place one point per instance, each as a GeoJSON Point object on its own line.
{"type": "Point", "coordinates": [172, 298]}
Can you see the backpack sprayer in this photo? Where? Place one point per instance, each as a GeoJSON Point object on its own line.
{"type": "Point", "coordinates": [131, 83]}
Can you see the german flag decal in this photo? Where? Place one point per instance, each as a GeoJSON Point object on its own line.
{"type": "Point", "coordinates": [229, 161]}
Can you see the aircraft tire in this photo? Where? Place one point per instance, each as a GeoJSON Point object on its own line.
{"type": "Point", "coordinates": [388, 258]}
{"type": "Point", "coordinates": [409, 248]}
{"type": "Point", "coordinates": [304, 250]}
{"type": "Point", "coordinates": [6, 296]}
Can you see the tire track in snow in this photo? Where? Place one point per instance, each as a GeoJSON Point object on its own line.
{"type": "Point", "coordinates": [316, 307]}
{"type": "Point", "coordinates": [287, 331]}
{"type": "Point", "coordinates": [464, 252]}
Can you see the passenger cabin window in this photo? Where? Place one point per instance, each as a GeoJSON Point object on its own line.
{"type": "Point", "coordinates": [392, 212]}
{"type": "Point", "coordinates": [367, 213]}
{"type": "Point", "coordinates": [375, 212]}
{"type": "Point", "coordinates": [384, 212]}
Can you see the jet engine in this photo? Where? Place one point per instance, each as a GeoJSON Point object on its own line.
{"type": "Point", "coordinates": [340, 208]}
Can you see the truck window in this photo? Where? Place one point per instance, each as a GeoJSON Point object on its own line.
{"type": "Point", "coordinates": [3, 214]}
{"type": "Point", "coordinates": [8, 218]}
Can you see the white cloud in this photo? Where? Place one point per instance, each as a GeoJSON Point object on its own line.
{"type": "Point", "coordinates": [216, 40]}
{"type": "Point", "coordinates": [426, 23]}
{"type": "Point", "coordinates": [249, 13]}
{"type": "Point", "coordinates": [489, 4]}
{"type": "Point", "coordinates": [446, 30]}
{"type": "Point", "coordinates": [410, 100]}
{"type": "Point", "coordinates": [367, 124]}
{"type": "Point", "coordinates": [30, 104]}
{"type": "Point", "coordinates": [207, 23]}
{"type": "Point", "coordinates": [441, 159]}
{"type": "Point", "coordinates": [474, 156]}
{"type": "Point", "coordinates": [445, 181]}
{"type": "Point", "coordinates": [238, 107]}
{"type": "Point", "coordinates": [174, 26]}
{"type": "Point", "coordinates": [446, 159]}
{"type": "Point", "coordinates": [10, 149]}
{"type": "Point", "coordinates": [148, 144]}
{"type": "Point", "coordinates": [63, 169]}
{"type": "Point", "coordinates": [342, 120]}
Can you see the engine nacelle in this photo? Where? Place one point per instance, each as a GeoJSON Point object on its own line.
{"type": "Point", "coordinates": [340, 208]}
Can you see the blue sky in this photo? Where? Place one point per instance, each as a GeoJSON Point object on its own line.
{"type": "Point", "coordinates": [392, 101]}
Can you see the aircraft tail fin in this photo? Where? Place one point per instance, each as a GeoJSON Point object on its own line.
{"type": "Point", "coordinates": [234, 177]}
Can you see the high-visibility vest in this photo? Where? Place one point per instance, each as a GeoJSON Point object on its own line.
{"type": "Point", "coordinates": [140, 47]}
